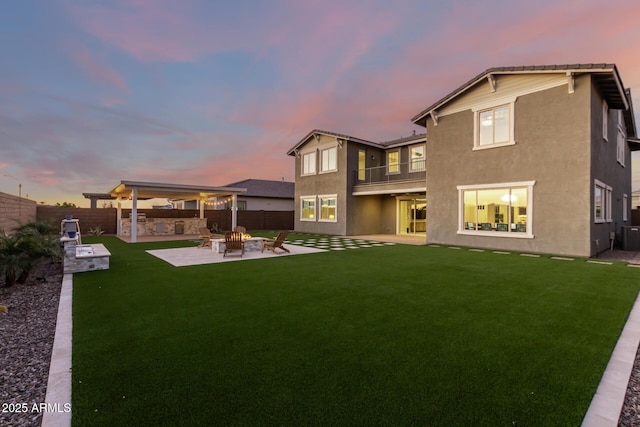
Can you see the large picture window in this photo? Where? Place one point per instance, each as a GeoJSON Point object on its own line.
{"type": "Point", "coordinates": [329, 159]}
{"type": "Point", "coordinates": [309, 163]}
{"type": "Point", "coordinates": [328, 208]}
{"type": "Point", "coordinates": [503, 210]}
{"type": "Point", "coordinates": [308, 208]}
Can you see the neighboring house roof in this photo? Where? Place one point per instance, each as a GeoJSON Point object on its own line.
{"type": "Point", "coordinates": [266, 188]}
{"type": "Point", "coordinates": [387, 144]}
{"type": "Point", "coordinates": [605, 75]}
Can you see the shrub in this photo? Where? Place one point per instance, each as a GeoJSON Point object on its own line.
{"type": "Point", "coordinates": [20, 252]}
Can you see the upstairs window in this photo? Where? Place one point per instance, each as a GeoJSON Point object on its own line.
{"type": "Point", "coordinates": [494, 126]}
{"type": "Point", "coordinates": [393, 162]}
{"type": "Point", "coordinates": [329, 160]}
{"type": "Point", "coordinates": [362, 164]}
{"type": "Point", "coordinates": [417, 158]}
{"type": "Point", "coordinates": [309, 163]}
{"type": "Point", "coordinates": [621, 140]}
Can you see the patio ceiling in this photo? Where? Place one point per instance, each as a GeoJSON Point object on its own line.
{"type": "Point", "coordinates": [150, 190]}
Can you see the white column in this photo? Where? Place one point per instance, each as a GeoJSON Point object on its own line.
{"type": "Point", "coordinates": [134, 216]}
{"type": "Point", "coordinates": [119, 218]}
{"type": "Point", "coordinates": [202, 203]}
{"type": "Point", "coordinates": [234, 211]}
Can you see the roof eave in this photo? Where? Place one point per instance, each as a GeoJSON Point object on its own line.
{"type": "Point", "coordinates": [294, 150]}
{"type": "Point", "coordinates": [421, 118]}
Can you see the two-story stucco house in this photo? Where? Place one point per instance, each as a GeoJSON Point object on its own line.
{"type": "Point", "coordinates": [534, 159]}
{"type": "Point", "coordinates": [348, 186]}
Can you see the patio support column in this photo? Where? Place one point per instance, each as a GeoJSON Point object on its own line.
{"type": "Point", "coordinates": [234, 211]}
{"type": "Point", "coordinates": [134, 215]}
{"type": "Point", "coordinates": [119, 217]}
{"type": "Point", "coordinates": [202, 203]}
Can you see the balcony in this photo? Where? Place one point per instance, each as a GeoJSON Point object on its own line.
{"type": "Point", "coordinates": [391, 178]}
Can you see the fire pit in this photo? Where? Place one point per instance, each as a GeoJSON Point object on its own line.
{"type": "Point", "coordinates": [250, 243]}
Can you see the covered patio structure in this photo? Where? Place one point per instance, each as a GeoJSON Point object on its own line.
{"type": "Point", "coordinates": [136, 190]}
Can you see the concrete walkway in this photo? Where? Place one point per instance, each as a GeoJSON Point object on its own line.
{"type": "Point", "coordinates": [58, 396]}
{"type": "Point", "coordinates": [607, 403]}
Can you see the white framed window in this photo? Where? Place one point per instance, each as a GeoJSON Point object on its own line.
{"type": "Point", "coordinates": [621, 140]}
{"type": "Point", "coordinates": [605, 120]}
{"type": "Point", "coordinates": [308, 208]}
{"type": "Point", "coordinates": [309, 163]}
{"type": "Point", "coordinates": [393, 162]}
{"type": "Point", "coordinates": [496, 210]}
{"type": "Point", "coordinates": [417, 158]}
{"type": "Point", "coordinates": [602, 196]}
{"type": "Point", "coordinates": [328, 208]}
{"type": "Point", "coordinates": [494, 126]}
{"type": "Point", "coordinates": [329, 159]}
{"type": "Point", "coordinates": [625, 207]}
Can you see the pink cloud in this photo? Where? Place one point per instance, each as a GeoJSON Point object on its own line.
{"type": "Point", "coordinates": [148, 30]}
{"type": "Point", "coordinates": [97, 68]}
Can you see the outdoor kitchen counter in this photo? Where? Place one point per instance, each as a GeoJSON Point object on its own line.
{"type": "Point", "coordinates": [164, 226]}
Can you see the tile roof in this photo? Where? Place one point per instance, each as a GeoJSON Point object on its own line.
{"type": "Point", "coordinates": [266, 188]}
{"type": "Point", "coordinates": [606, 77]}
{"type": "Point", "coordinates": [400, 141]}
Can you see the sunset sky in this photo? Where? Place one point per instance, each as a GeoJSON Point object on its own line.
{"type": "Point", "coordinates": [210, 92]}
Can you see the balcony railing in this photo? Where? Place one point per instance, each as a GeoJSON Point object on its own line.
{"type": "Point", "coordinates": [414, 171]}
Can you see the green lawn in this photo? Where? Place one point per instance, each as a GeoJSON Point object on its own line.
{"type": "Point", "coordinates": [390, 335]}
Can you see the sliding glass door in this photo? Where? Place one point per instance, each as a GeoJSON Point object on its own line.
{"type": "Point", "coordinates": [412, 216]}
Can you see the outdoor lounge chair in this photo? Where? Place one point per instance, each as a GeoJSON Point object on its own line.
{"type": "Point", "coordinates": [233, 242]}
{"type": "Point", "coordinates": [273, 244]}
{"type": "Point", "coordinates": [206, 237]}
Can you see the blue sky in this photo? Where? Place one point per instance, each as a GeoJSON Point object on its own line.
{"type": "Point", "coordinates": [211, 92]}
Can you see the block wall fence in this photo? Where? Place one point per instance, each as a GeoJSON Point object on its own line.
{"type": "Point", "coordinates": [14, 211]}
{"type": "Point", "coordinates": [105, 218]}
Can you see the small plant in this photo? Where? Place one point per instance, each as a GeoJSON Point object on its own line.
{"type": "Point", "coordinates": [97, 231]}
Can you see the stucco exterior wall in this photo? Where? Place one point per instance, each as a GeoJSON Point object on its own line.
{"type": "Point", "coordinates": [322, 184]}
{"type": "Point", "coordinates": [552, 135]}
{"type": "Point", "coordinates": [607, 170]}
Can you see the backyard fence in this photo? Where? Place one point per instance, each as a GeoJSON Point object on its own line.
{"type": "Point", "coordinates": [14, 211]}
{"type": "Point", "coordinates": [106, 218]}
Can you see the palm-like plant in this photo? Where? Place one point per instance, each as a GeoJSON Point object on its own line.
{"type": "Point", "coordinates": [12, 258]}
{"type": "Point", "coordinates": [20, 252]}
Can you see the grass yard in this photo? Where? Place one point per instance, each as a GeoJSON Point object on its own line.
{"type": "Point", "coordinates": [388, 335]}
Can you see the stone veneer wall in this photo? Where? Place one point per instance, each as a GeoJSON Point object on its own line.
{"type": "Point", "coordinates": [148, 228]}
{"type": "Point", "coordinates": [72, 264]}
{"type": "Point", "coordinates": [14, 211]}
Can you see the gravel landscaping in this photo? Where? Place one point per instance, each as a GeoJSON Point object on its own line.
{"type": "Point", "coordinates": [27, 331]}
